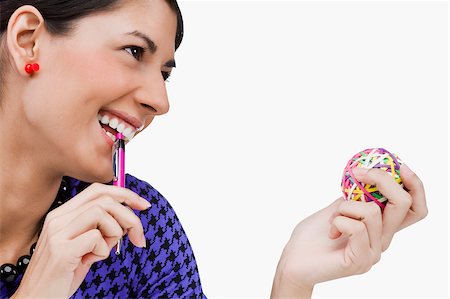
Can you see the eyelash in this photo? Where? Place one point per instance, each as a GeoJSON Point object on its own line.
{"type": "Point", "coordinates": [140, 54]}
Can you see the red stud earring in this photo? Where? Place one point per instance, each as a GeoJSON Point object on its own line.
{"type": "Point", "coordinates": [30, 68]}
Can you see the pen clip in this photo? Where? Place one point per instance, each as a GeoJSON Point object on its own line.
{"type": "Point", "coordinates": [115, 160]}
{"type": "Point", "coordinates": [118, 161]}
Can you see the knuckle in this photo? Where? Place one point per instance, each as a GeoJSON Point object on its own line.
{"type": "Point", "coordinates": [116, 230]}
{"type": "Point", "coordinates": [360, 228]}
{"type": "Point", "coordinates": [136, 221]}
{"type": "Point", "coordinates": [362, 267]}
{"type": "Point", "coordinates": [119, 232]}
{"type": "Point", "coordinates": [404, 200]}
{"type": "Point", "coordinates": [50, 224]}
{"type": "Point", "coordinates": [109, 200]}
{"type": "Point", "coordinates": [50, 216]}
{"type": "Point", "coordinates": [97, 211]}
{"type": "Point", "coordinates": [373, 210]}
{"type": "Point", "coordinates": [359, 270]}
{"type": "Point", "coordinates": [347, 266]}
{"type": "Point", "coordinates": [105, 254]}
{"type": "Point", "coordinates": [381, 174]}
{"type": "Point", "coordinates": [425, 213]}
{"type": "Point", "coordinates": [97, 235]}
{"type": "Point", "coordinates": [422, 213]}
{"type": "Point", "coordinates": [376, 257]}
{"type": "Point", "coordinates": [385, 242]}
{"type": "Point", "coordinates": [407, 200]}
{"type": "Point", "coordinates": [96, 186]}
{"type": "Point", "coordinates": [366, 267]}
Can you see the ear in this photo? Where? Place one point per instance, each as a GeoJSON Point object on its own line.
{"type": "Point", "coordinates": [24, 29]}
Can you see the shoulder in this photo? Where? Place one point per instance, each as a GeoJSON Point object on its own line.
{"type": "Point", "coordinates": [167, 267]}
{"type": "Point", "coordinates": [161, 216]}
{"type": "Point", "coordinates": [145, 190]}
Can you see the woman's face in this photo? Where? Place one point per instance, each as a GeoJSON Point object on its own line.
{"type": "Point", "coordinates": [100, 74]}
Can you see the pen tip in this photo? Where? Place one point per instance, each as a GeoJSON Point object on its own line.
{"type": "Point", "coordinates": [119, 136]}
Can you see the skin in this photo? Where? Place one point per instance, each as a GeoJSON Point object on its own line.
{"type": "Point", "coordinates": [88, 71]}
{"type": "Point", "coordinates": [91, 70]}
{"type": "Point", "coordinates": [347, 237]}
{"type": "Point", "coordinates": [84, 77]}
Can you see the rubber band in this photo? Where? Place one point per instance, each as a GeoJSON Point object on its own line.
{"type": "Point", "coordinates": [369, 158]}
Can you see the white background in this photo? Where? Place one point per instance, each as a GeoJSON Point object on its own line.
{"type": "Point", "coordinates": [269, 101]}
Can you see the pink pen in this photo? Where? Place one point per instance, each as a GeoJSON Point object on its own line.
{"type": "Point", "coordinates": [119, 169]}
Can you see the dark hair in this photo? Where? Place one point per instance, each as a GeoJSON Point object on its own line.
{"type": "Point", "coordinates": [60, 16]}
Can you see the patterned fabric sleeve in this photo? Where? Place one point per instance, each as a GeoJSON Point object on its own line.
{"type": "Point", "coordinates": [167, 267]}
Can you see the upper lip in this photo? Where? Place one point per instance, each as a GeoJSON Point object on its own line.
{"type": "Point", "coordinates": [126, 117]}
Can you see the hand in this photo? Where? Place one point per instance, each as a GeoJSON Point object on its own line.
{"type": "Point", "coordinates": [77, 234]}
{"type": "Point", "coordinates": [348, 237]}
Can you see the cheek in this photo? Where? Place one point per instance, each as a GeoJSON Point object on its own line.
{"type": "Point", "coordinates": [87, 74]}
{"type": "Point", "coordinates": [71, 87]}
{"type": "Point", "coordinates": [96, 74]}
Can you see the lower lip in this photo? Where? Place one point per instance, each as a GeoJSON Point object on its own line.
{"type": "Point", "coordinates": [108, 140]}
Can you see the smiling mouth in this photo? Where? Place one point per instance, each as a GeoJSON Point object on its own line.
{"type": "Point", "coordinates": [112, 125]}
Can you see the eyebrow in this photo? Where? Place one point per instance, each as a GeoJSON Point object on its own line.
{"type": "Point", "coordinates": [152, 47]}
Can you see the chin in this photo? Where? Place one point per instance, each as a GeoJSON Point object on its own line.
{"type": "Point", "coordinates": [101, 178]}
{"type": "Point", "coordinates": [95, 176]}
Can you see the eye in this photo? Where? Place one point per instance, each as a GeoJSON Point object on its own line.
{"type": "Point", "coordinates": [136, 51]}
{"type": "Point", "coordinates": [165, 75]}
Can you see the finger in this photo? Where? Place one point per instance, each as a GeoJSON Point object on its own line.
{"type": "Point", "coordinates": [93, 218]}
{"type": "Point", "coordinates": [334, 233]}
{"type": "Point", "coordinates": [112, 221]}
{"type": "Point", "coordinates": [125, 216]}
{"type": "Point", "coordinates": [358, 241]}
{"type": "Point", "coordinates": [95, 190]}
{"type": "Point", "coordinates": [368, 213]}
{"type": "Point", "coordinates": [89, 247]}
{"type": "Point", "coordinates": [418, 208]}
{"type": "Point", "coordinates": [399, 201]}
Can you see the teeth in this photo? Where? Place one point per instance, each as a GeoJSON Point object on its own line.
{"type": "Point", "coordinates": [120, 128]}
{"type": "Point", "coordinates": [127, 132]}
{"type": "Point", "coordinates": [105, 119]}
{"type": "Point", "coordinates": [111, 136]}
{"type": "Point", "coordinates": [113, 123]}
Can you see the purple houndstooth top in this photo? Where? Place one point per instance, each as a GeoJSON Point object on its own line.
{"type": "Point", "coordinates": [165, 269]}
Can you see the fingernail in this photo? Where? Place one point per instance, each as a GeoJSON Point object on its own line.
{"type": "Point", "coordinates": [143, 242]}
{"type": "Point", "coordinates": [406, 170]}
{"type": "Point", "coordinates": [359, 171]}
{"type": "Point", "coordinates": [146, 203]}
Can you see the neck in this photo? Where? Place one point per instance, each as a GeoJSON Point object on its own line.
{"type": "Point", "coordinates": [28, 186]}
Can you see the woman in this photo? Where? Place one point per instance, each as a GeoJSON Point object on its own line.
{"type": "Point", "coordinates": [72, 73]}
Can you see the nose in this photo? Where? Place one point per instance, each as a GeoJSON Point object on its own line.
{"type": "Point", "coordinates": [152, 94]}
